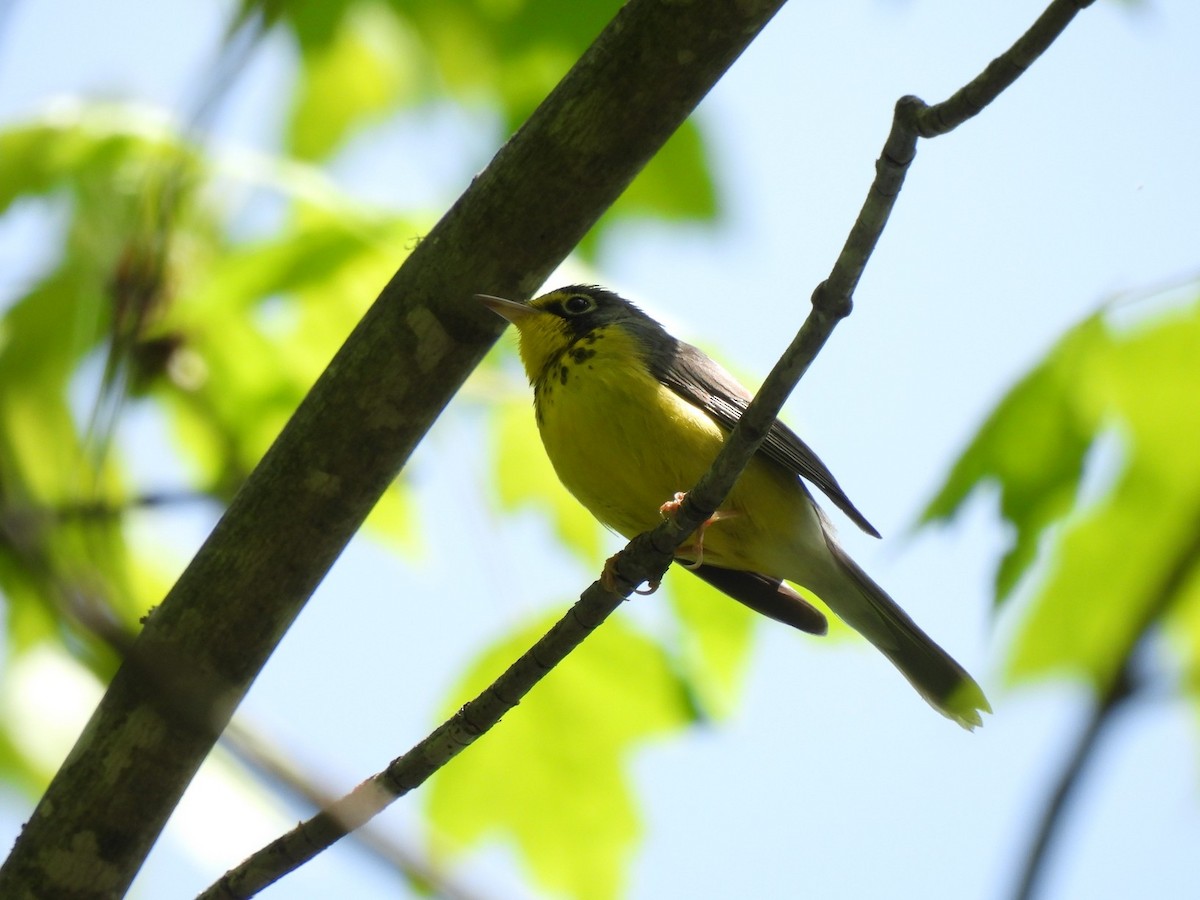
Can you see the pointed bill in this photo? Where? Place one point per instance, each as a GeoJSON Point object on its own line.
{"type": "Point", "coordinates": [509, 309]}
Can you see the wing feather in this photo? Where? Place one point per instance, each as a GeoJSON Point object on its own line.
{"type": "Point", "coordinates": [698, 379]}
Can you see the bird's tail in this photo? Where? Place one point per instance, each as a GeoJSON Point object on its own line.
{"type": "Point", "coordinates": [867, 608]}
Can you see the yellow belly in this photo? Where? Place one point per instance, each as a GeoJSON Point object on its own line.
{"type": "Point", "coordinates": [624, 444]}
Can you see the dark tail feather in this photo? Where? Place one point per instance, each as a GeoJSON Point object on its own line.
{"type": "Point", "coordinates": [769, 596]}
{"type": "Point", "coordinates": [930, 669]}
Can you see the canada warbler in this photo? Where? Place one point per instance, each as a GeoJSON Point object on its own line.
{"type": "Point", "coordinates": [630, 417]}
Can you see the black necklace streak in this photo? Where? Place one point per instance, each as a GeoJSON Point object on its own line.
{"type": "Point", "coordinates": [558, 367]}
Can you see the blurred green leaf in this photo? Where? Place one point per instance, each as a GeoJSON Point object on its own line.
{"type": "Point", "coordinates": [1114, 565]}
{"type": "Point", "coordinates": [1183, 623]}
{"type": "Point", "coordinates": [51, 564]}
{"type": "Point", "coordinates": [675, 186]}
{"type": "Point", "coordinates": [516, 50]}
{"type": "Point", "coordinates": [717, 637]}
{"type": "Point", "coordinates": [261, 324]}
{"type": "Point", "coordinates": [1033, 448]}
{"type": "Point", "coordinates": [363, 58]}
{"type": "Point", "coordinates": [83, 148]}
{"type": "Point", "coordinates": [15, 769]}
{"type": "Point", "coordinates": [365, 68]}
{"type": "Point", "coordinates": [550, 776]}
{"type": "Point", "coordinates": [676, 183]}
{"type": "Point", "coordinates": [210, 351]}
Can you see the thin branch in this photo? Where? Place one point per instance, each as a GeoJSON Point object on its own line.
{"type": "Point", "coordinates": [1119, 690]}
{"type": "Point", "coordinates": [93, 613]}
{"type": "Point", "coordinates": [1002, 71]}
{"type": "Point", "coordinates": [204, 645]}
{"type": "Point", "coordinates": [273, 766]}
{"type": "Point", "coordinates": [16, 518]}
{"type": "Point", "coordinates": [914, 119]}
{"type": "Point", "coordinates": [645, 559]}
{"type": "Point", "coordinates": [1064, 789]}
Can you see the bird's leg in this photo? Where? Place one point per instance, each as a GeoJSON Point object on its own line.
{"type": "Point", "coordinates": [696, 546]}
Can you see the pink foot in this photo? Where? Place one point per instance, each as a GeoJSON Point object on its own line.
{"type": "Point", "coordinates": [696, 546]}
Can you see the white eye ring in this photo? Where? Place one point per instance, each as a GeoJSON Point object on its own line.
{"type": "Point", "coordinates": [578, 304]}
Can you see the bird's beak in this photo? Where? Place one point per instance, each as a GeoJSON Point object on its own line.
{"type": "Point", "coordinates": [509, 309]}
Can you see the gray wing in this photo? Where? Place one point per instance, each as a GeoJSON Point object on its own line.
{"type": "Point", "coordinates": [696, 378]}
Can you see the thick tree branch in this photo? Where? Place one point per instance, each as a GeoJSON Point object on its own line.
{"type": "Point", "coordinates": [647, 557]}
{"type": "Point", "coordinates": [92, 612]}
{"type": "Point", "coordinates": [204, 645]}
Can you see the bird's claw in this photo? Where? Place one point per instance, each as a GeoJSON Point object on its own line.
{"type": "Point", "coordinates": [671, 507]}
{"type": "Point", "coordinates": [695, 547]}
{"type": "Point", "coordinates": [610, 578]}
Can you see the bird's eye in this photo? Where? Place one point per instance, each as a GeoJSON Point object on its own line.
{"type": "Point", "coordinates": [578, 304]}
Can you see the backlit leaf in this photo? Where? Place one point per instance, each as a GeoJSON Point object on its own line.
{"type": "Point", "coordinates": [551, 776]}
{"type": "Point", "coordinates": [1121, 557]}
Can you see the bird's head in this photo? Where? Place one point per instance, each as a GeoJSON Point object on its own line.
{"type": "Point", "coordinates": [549, 324]}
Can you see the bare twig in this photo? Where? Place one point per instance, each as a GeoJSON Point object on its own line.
{"type": "Point", "coordinates": [1057, 802]}
{"type": "Point", "coordinates": [647, 557]}
{"type": "Point", "coordinates": [1119, 690]}
{"type": "Point", "coordinates": [270, 764]}
{"type": "Point", "coordinates": [913, 119]}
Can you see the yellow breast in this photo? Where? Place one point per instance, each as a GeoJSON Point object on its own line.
{"type": "Point", "coordinates": [624, 444]}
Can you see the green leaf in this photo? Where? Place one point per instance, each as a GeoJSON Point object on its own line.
{"type": "Point", "coordinates": [115, 164]}
{"type": "Point", "coordinates": [361, 59]}
{"type": "Point", "coordinates": [78, 147]}
{"type": "Point", "coordinates": [1183, 625]}
{"type": "Point", "coordinates": [1117, 571]}
{"type": "Point", "coordinates": [550, 777]}
{"type": "Point", "coordinates": [676, 185]}
{"type": "Point", "coordinates": [1120, 558]}
{"type": "Point", "coordinates": [517, 49]}
{"type": "Point", "coordinates": [717, 637]}
{"type": "Point", "coordinates": [361, 71]}
{"type": "Point", "coordinates": [44, 466]}
{"type": "Point", "coordinates": [262, 324]}
{"type": "Point", "coordinates": [1033, 448]}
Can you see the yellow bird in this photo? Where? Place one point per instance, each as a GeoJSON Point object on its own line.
{"type": "Point", "coordinates": [631, 417]}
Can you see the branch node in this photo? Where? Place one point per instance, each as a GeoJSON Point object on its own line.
{"type": "Point", "coordinates": [833, 305]}
{"type": "Point", "coordinates": [909, 113]}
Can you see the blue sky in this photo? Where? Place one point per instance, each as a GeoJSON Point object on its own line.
{"type": "Point", "coordinates": [833, 779]}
